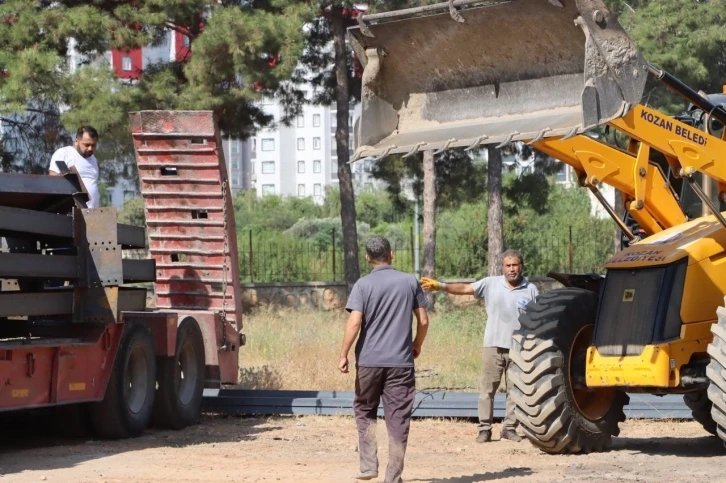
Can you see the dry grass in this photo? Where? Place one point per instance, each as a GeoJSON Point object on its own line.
{"type": "Point", "coordinates": [298, 349]}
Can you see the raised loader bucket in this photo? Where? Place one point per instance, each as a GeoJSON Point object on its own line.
{"type": "Point", "coordinates": [443, 76]}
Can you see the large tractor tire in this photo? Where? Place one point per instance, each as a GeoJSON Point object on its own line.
{"type": "Point", "coordinates": [126, 408]}
{"type": "Point", "coordinates": [557, 412]}
{"type": "Point", "coordinates": [180, 379]}
{"type": "Point", "coordinates": [701, 408]}
{"type": "Point", "coordinates": [716, 373]}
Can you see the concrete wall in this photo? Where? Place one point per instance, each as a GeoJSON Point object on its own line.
{"type": "Point", "coordinates": [330, 296]}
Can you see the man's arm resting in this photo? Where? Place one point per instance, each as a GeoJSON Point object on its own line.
{"type": "Point", "coordinates": [422, 327]}
{"type": "Point", "coordinates": [352, 327]}
{"type": "Point", "coordinates": [53, 168]}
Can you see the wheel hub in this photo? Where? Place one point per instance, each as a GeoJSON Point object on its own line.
{"type": "Point", "coordinates": [593, 403]}
{"type": "Point", "coordinates": [186, 374]}
{"type": "Point", "coordinates": [136, 380]}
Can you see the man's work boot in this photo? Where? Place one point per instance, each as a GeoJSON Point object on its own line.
{"type": "Point", "coordinates": [484, 436]}
{"type": "Point", "coordinates": [511, 435]}
{"type": "Point", "coordinates": [366, 475]}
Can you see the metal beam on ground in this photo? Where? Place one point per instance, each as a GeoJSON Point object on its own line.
{"type": "Point", "coordinates": [426, 404]}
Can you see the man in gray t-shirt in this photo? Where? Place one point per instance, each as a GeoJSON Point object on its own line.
{"type": "Point", "coordinates": [504, 296]}
{"type": "Point", "coordinates": [381, 307]}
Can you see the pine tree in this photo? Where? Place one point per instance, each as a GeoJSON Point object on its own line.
{"type": "Point", "coordinates": [328, 64]}
{"type": "Point", "coordinates": [240, 51]}
{"type": "Point", "coordinates": [686, 38]}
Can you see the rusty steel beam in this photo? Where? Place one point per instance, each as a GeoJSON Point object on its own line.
{"type": "Point", "coordinates": [50, 193]}
{"type": "Point", "coordinates": [99, 260]}
{"type": "Point", "coordinates": [60, 302]}
{"type": "Point", "coordinates": [18, 304]}
{"type": "Point", "coordinates": [139, 270]}
{"type": "Point", "coordinates": [34, 184]}
{"type": "Point", "coordinates": [19, 221]}
{"type": "Point", "coordinates": [130, 236]}
{"type": "Point", "coordinates": [16, 222]}
{"type": "Point", "coordinates": [31, 265]}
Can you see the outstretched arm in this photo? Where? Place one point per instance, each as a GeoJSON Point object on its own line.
{"type": "Point", "coordinates": [452, 288]}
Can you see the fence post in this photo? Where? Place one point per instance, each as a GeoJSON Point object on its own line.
{"type": "Point", "coordinates": [571, 249]}
{"type": "Point", "coordinates": [252, 263]}
{"type": "Point", "coordinates": [413, 266]}
{"type": "Point", "coordinates": [333, 232]}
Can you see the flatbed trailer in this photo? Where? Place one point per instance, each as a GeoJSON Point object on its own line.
{"type": "Point", "coordinates": [75, 328]}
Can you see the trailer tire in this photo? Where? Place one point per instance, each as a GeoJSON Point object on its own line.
{"type": "Point", "coordinates": [180, 379]}
{"type": "Point", "coordinates": [701, 407]}
{"type": "Point", "coordinates": [126, 408]}
{"type": "Point", "coordinates": [716, 373]}
{"type": "Point", "coordinates": [557, 412]}
{"type": "Point", "coordinates": [72, 420]}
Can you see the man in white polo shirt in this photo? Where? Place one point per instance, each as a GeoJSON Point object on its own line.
{"type": "Point", "coordinates": [81, 156]}
{"type": "Point", "coordinates": [503, 296]}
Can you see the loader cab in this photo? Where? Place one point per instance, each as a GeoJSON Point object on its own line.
{"type": "Point", "coordinates": [701, 119]}
{"type": "Point", "coordinates": [634, 228]}
{"type": "Point", "coordinates": [692, 204]}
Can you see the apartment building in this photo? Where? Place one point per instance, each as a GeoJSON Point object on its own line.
{"type": "Point", "coordinates": [301, 159]}
{"type": "Point", "coordinates": [237, 155]}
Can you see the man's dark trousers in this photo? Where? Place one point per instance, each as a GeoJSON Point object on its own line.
{"type": "Point", "coordinates": [396, 386]}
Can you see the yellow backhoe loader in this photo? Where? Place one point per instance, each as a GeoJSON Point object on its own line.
{"type": "Point", "coordinates": [547, 72]}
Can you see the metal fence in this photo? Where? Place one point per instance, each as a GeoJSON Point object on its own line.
{"type": "Point", "coordinates": [269, 260]}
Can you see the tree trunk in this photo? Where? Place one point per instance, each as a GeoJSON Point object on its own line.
{"type": "Point", "coordinates": [620, 210]}
{"type": "Point", "coordinates": [495, 223]}
{"type": "Point", "coordinates": [429, 220]}
{"type": "Point", "coordinates": [347, 199]}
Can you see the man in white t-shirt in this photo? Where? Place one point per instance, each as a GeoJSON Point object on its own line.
{"type": "Point", "coordinates": [81, 156]}
{"type": "Point", "coordinates": [504, 297]}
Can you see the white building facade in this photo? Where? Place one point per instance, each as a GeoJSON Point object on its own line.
{"type": "Point", "coordinates": [301, 159]}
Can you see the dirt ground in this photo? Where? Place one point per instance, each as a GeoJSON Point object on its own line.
{"type": "Point", "coordinates": [317, 449]}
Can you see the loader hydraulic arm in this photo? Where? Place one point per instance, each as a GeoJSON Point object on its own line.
{"type": "Point", "coordinates": [653, 203]}
{"type": "Point", "coordinates": [687, 150]}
